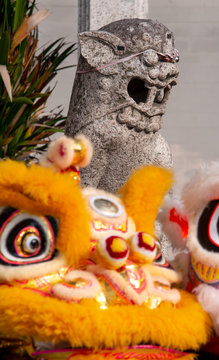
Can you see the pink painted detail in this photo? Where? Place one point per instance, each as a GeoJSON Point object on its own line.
{"type": "Point", "coordinates": [111, 353]}
{"type": "Point", "coordinates": [43, 283]}
{"type": "Point", "coordinates": [49, 160]}
{"type": "Point", "coordinates": [24, 262]}
{"type": "Point", "coordinates": [62, 276]}
{"type": "Point", "coordinates": [99, 225]}
{"type": "Point", "coordinates": [22, 282]}
{"type": "Point", "coordinates": [51, 232]}
{"type": "Point", "coordinates": [62, 150]}
{"type": "Point", "coordinates": [43, 293]}
{"type": "Point", "coordinates": [139, 276]}
{"type": "Point", "coordinates": [18, 235]}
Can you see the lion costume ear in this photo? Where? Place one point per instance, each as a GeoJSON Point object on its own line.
{"type": "Point", "coordinates": [143, 194]}
{"type": "Point", "coordinates": [100, 48]}
{"type": "Point", "coordinates": [174, 221]}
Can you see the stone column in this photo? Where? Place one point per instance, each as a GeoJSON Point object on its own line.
{"type": "Point", "coordinates": [83, 15]}
{"type": "Point", "coordinates": [93, 14]}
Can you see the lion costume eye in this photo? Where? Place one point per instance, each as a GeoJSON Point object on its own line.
{"type": "Point", "coordinates": [208, 227]}
{"type": "Point", "coordinates": [26, 238]}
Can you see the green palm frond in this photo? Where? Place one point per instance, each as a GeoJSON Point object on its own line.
{"type": "Point", "coordinates": [25, 75]}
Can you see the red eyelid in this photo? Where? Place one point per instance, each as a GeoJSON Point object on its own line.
{"type": "Point", "coordinates": [182, 221]}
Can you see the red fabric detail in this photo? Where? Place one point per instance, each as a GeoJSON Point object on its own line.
{"type": "Point", "coordinates": [70, 169]}
{"type": "Point", "coordinates": [182, 221]}
{"type": "Point", "coordinates": [212, 347]}
{"type": "Point", "coordinates": [113, 254]}
{"type": "Point", "coordinates": [141, 243]}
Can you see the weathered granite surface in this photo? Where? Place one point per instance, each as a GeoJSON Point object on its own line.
{"type": "Point", "coordinates": [104, 11]}
{"type": "Point", "coordinates": [120, 107]}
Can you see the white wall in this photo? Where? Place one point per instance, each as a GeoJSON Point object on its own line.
{"type": "Point", "coordinates": [191, 123]}
{"type": "Point", "coordinates": [62, 22]}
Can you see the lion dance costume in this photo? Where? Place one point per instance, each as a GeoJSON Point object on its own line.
{"type": "Point", "coordinates": [79, 270]}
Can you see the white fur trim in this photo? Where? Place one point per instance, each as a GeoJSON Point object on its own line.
{"type": "Point", "coordinates": [168, 274]}
{"type": "Point", "coordinates": [26, 272]}
{"type": "Point", "coordinates": [208, 297]}
{"type": "Point", "coordinates": [73, 293]}
{"type": "Point", "coordinates": [53, 152]}
{"type": "Point", "coordinates": [172, 229]}
{"type": "Point", "coordinates": [44, 162]}
{"type": "Point", "coordinates": [120, 282]}
{"type": "Point", "coordinates": [88, 150]}
{"type": "Point", "coordinates": [202, 188]}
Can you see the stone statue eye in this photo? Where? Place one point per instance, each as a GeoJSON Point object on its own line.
{"type": "Point", "coordinates": [120, 47]}
{"type": "Point", "coordinates": [26, 238]}
{"type": "Point", "coordinates": [106, 206]}
{"type": "Point", "coordinates": [208, 227]}
{"type": "Point", "coordinates": [169, 36]}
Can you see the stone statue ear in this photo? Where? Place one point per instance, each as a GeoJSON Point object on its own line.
{"type": "Point", "coordinates": [100, 48]}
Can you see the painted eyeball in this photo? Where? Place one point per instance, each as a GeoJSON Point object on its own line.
{"type": "Point", "coordinates": [112, 252]}
{"type": "Point", "coordinates": [208, 227]}
{"type": "Point", "coordinates": [105, 206]}
{"type": "Point", "coordinates": [26, 238]}
{"type": "Point", "coordinates": [142, 248]}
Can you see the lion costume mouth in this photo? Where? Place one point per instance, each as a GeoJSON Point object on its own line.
{"type": "Point", "coordinates": [202, 273]}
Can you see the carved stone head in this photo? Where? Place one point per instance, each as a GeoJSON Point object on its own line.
{"type": "Point", "coordinates": [124, 76]}
{"type": "Point", "coordinates": [134, 63]}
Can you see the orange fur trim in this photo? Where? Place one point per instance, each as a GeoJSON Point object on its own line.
{"type": "Point", "coordinates": [27, 313]}
{"type": "Point", "coordinates": [143, 194]}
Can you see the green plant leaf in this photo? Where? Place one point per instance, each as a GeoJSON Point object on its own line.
{"type": "Point", "coordinates": [22, 100]}
{"type": "Point", "coordinates": [24, 124]}
{"type": "Point", "coordinates": [4, 46]}
{"type": "Point", "coordinates": [19, 13]}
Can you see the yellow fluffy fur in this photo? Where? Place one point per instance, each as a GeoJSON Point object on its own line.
{"type": "Point", "coordinates": [42, 192]}
{"type": "Point", "coordinates": [143, 194]}
{"type": "Point", "coordinates": [24, 312]}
